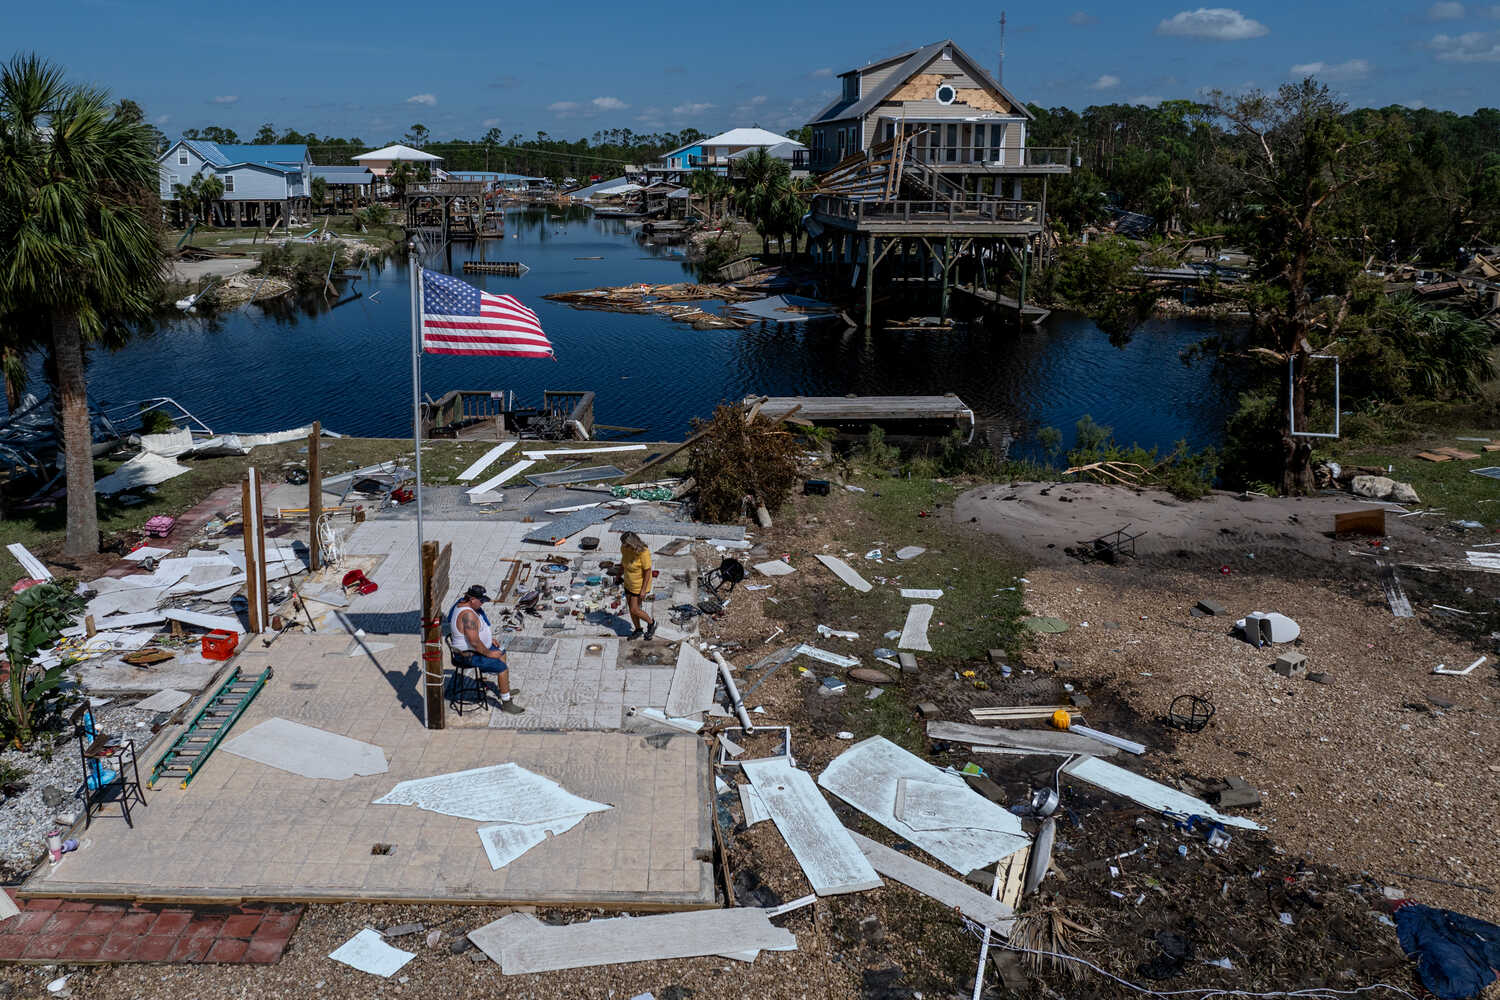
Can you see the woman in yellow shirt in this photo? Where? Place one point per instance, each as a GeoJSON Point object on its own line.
{"type": "Point", "coordinates": [635, 566]}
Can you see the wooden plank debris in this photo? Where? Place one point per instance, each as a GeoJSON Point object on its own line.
{"type": "Point", "coordinates": [1395, 596]}
{"type": "Point", "coordinates": [914, 632]}
{"type": "Point", "coordinates": [753, 805]}
{"type": "Point", "coordinates": [1009, 713]}
{"type": "Point", "coordinates": [934, 884]}
{"type": "Point", "coordinates": [846, 573]}
{"type": "Point", "coordinates": [1034, 740]}
{"type": "Point", "coordinates": [222, 622]}
{"type": "Point", "coordinates": [555, 452]}
{"type": "Point", "coordinates": [920, 595]}
{"type": "Point", "coordinates": [559, 531]}
{"type": "Point", "coordinates": [820, 843]}
{"type": "Point", "coordinates": [520, 943]}
{"type": "Point", "coordinates": [1360, 522]}
{"type": "Point", "coordinates": [1151, 794]}
{"type": "Point", "coordinates": [30, 563]}
{"type": "Point", "coordinates": [776, 567]}
{"type": "Point", "coordinates": [501, 479]}
{"type": "Point", "coordinates": [692, 689]}
{"type": "Point", "coordinates": [484, 461]}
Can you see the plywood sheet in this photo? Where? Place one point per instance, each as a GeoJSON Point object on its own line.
{"type": "Point", "coordinates": [845, 572]}
{"type": "Point", "coordinates": [308, 751]}
{"type": "Point", "coordinates": [934, 884]}
{"type": "Point", "coordinates": [865, 776]}
{"type": "Point", "coordinates": [484, 461]}
{"type": "Point", "coordinates": [1151, 794]}
{"type": "Point", "coordinates": [914, 632]}
{"type": "Point", "coordinates": [928, 805]}
{"type": "Point", "coordinates": [776, 567]}
{"type": "Point", "coordinates": [1038, 740]}
{"type": "Point", "coordinates": [501, 479]}
{"type": "Point", "coordinates": [520, 943]}
{"type": "Point", "coordinates": [829, 858]}
{"type": "Point", "coordinates": [753, 805]}
{"type": "Point", "coordinates": [692, 689]}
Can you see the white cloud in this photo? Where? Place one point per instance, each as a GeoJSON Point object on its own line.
{"type": "Point", "coordinates": [162, 119]}
{"type": "Point", "coordinates": [563, 106]}
{"type": "Point", "coordinates": [427, 99]}
{"type": "Point", "coordinates": [821, 74]}
{"type": "Point", "coordinates": [226, 99]}
{"type": "Point", "coordinates": [1149, 100]}
{"type": "Point", "coordinates": [1470, 47]}
{"type": "Point", "coordinates": [1415, 105]}
{"type": "Point", "coordinates": [491, 122]}
{"type": "Point", "coordinates": [1352, 69]}
{"type": "Point", "coordinates": [1447, 10]}
{"type": "Point", "coordinates": [1494, 11]}
{"type": "Point", "coordinates": [608, 104]}
{"type": "Point", "coordinates": [1106, 82]}
{"type": "Point", "coordinates": [757, 100]}
{"type": "Point", "coordinates": [1220, 24]}
{"type": "Point", "coordinates": [1082, 18]}
{"type": "Point", "coordinates": [693, 108]}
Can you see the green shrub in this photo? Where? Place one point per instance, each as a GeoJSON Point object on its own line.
{"type": "Point", "coordinates": [875, 453]}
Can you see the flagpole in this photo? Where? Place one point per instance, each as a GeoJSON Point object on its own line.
{"type": "Point", "coordinates": [416, 388]}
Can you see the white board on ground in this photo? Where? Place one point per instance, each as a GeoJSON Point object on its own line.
{"type": "Point", "coordinates": [866, 775]}
{"type": "Point", "coordinates": [503, 478]}
{"type": "Point", "coordinates": [501, 793]}
{"type": "Point", "coordinates": [221, 622]}
{"type": "Point", "coordinates": [1151, 794]}
{"type": "Point", "coordinates": [932, 883]}
{"type": "Point", "coordinates": [505, 842]}
{"type": "Point", "coordinates": [1025, 740]}
{"type": "Point", "coordinates": [845, 572]}
{"type": "Point", "coordinates": [30, 563]}
{"type": "Point", "coordinates": [692, 689]}
{"type": "Point", "coordinates": [920, 595]}
{"type": "Point", "coordinates": [483, 462]}
{"type": "Point", "coordinates": [146, 552]}
{"type": "Point", "coordinates": [776, 567]}
{"type": "Point", "coordinates": [583, 451]}
{"type": "Point", "coordinates": [927, 805]}
{"type": "Point", "coordinates": [824, 656]}
{"type": "Point", "coordinates": [521, 943]}
{"type": "Point", "coordinates": [909, 552]}
{"type": "Point", "coordinates": [368, 952]}
{"type": "Point", "coordinates": [145, 469]}
{"type": "Point", "coordinates": [753, 805]}
{"type": "Point", "coordinates": [162, 701]}
{"type": "Point", "coordinates": [312, 753]}
{"type": "Point", "coordinates": [914, 632]}
{"type": "Point", "coordinates": [817, 839]}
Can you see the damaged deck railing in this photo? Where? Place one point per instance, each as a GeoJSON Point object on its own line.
{"type": "Point", "coordinates": [971, 210]}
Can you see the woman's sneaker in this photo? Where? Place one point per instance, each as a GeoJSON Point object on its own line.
{"type": "Point", "coordinates": [651, 629]}
{"type": "Point", "coordinates": [636, 634]}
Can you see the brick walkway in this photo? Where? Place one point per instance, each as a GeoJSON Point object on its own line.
{"type": "Point", "coordinates": [54, 931]}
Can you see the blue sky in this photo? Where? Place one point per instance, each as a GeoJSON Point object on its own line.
{"type": "Point", "coordinates": [372, 69]}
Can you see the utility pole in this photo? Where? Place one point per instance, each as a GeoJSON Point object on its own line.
{"type": "Point", "coordinates": [1000, 66]}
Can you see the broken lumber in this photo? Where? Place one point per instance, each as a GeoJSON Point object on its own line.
{"type": "Point", "coordinates": [936, 885]}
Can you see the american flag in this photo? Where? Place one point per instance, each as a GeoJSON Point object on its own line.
{"type": "Point", "coordinates": [458, 318]}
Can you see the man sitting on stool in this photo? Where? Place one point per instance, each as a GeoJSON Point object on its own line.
{"type": "Point", "coordinates": [474, 643]}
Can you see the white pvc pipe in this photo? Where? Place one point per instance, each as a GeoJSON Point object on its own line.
{"type": "Point", "coordinates": [734, 693]}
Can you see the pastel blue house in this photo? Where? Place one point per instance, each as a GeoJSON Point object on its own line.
{"type": "Point", "coordinates": [262, 184]}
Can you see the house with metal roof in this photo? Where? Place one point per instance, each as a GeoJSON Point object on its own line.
{"type": "Point", "coordinates": [718, 153]}
{"type": "Point", "coordinates": [262, 184]}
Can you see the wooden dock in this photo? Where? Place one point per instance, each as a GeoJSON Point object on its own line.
{"type": "Point", "coordinates": [898, 414]}
{"type": "Point", "coordinates": [1028, 314]}
{"type": "Point", "coordinates": [512, 268]}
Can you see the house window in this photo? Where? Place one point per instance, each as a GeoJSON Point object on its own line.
{"type": "Point", "coordinates": [952, 144]}
{"type": "Point", "coordinates": [182, 157]}
{"type": "Point", "coordinates": [171, 181]}
{"type": "Point", "coordinates": [946, 94]}
{"type": "Point", "coordinates": [978, 143]}
{"type": "Point", "coordinates": [842, 140]}
{"type": "Point", "coordinates": [997, 143]}
{"type": "Point", "coordinates": [851, 87]}
{"type": "Point", "coordinates": [229, 183]}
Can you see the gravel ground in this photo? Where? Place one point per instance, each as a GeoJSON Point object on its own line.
{"type": "Point", "coordinates": [25, 819]}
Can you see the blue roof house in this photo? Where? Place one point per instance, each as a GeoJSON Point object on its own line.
{"type": "Point", "coordinates": [262, 184]}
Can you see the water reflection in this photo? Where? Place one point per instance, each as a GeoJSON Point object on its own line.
{"type": "Point", "coordinates": [288, 361]}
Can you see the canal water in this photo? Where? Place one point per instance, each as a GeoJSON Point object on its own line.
{"type": "Point", "coordinates": [261, 368]}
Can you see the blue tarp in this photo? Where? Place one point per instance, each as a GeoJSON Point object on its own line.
{"type": "Point", "coordinates": [1456, 955]}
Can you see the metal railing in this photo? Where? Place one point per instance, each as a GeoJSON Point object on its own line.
{"type": "Point", "coordinates": [1002, 156]}
{"type": "Point", "coordinates": [981, 210]}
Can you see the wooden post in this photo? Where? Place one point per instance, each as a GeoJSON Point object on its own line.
{"type": "Point", "coordinates": [1021, 293]}
{"type": "Point", "coordinates": [255, 551]}
{"type": "Point", "coordinates": [943, 295]}
{"type": "Point", "coordinates": [314, 496]}
{"type": "Point", "coordinates": [869, 280]}
{"type": "Point", "coordinates": [435, 562]}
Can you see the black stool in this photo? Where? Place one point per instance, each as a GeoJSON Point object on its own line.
{"type": "Point", "coordinates": [99, 751]}
{"type": "Point", "coordinates": [466, 686]}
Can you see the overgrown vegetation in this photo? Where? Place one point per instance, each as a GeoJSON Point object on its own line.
{"type": "Point", "coordinates": [305, 265]}
{"type": "Point", "coordinates": [34, 620]}
{"type": "Point", "coordinates": [738, 463]}
{"type": "Point", "coordinates": [1186, 474]}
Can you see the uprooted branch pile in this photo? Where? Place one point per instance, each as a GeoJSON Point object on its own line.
{"type": "Point", "coordinates": [735, 456]}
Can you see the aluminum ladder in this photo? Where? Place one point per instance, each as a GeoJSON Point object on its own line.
{"type": "Point", "coordinates": [189, 751]}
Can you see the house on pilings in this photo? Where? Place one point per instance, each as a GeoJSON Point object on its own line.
{"type": "Point", "coordinates": [926, 180]}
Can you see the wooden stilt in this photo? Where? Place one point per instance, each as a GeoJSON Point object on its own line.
{"type": "Point", "coordinates": [869, 280]}
{"type": "Point", "coordinates": [314, 496]}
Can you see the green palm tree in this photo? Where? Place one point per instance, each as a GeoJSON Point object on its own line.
{"type": "Point", "coordinates": [79, 254]}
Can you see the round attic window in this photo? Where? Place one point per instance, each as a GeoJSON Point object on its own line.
{"type": "Point", "coordinates": [946, 94]}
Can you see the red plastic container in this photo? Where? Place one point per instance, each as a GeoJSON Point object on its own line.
{"type": "Point", "coordinates": [220, 645]}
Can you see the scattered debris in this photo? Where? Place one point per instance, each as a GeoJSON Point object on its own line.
{"type": "Point", "coordinates": [312, 753]}
{"type": "Point", "coordinates": [1151, 794]}
{"type": "Point", "coordinates": [368, 952]}
{"type": "Point", "coordinates": [914, 633]}
{"type": "Point", "coordinates": [844, 572]}
{"type": "Point", "coordinates": [934, 884]}
{"type": "Point", "coordinates": [821, 845]}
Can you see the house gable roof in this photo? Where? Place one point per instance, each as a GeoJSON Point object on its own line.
{"type": "Point", "coordinates": [911, 63]}
{"type": "Point", "coordinates": [206, 151]}
{"type": "Point", "coordinates": [745, 137]}
{"type": "Point", "coordinates": [249, 153]}
{"type": "Point", "coordinates": [398, 152]}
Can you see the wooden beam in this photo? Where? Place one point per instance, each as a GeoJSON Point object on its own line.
{"type": "Point", "coordinates": [255, 551]}
{"type": "Point", "coordinates": [435, 562]}
{"type": "Point", "coordinates": [314, 497]}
